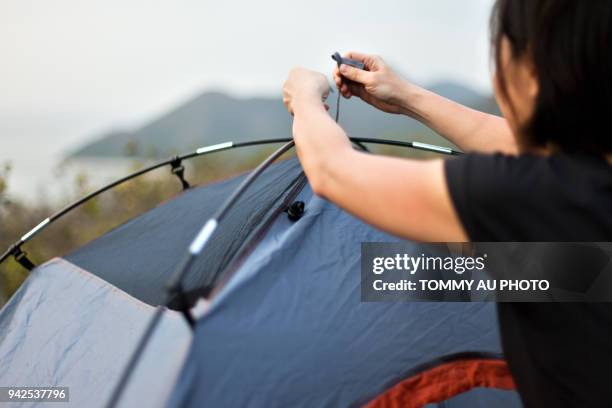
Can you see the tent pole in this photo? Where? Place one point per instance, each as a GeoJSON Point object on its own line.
{"type": "Point", "coordinates": [359, 141]}
{"type": "Point", "coordinates": [140, 347]}
{"type": "Point", "coordinates": [175, 284]}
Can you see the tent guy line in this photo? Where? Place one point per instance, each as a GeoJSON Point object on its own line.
{"type": "Point", "coordinates": [175, 162]}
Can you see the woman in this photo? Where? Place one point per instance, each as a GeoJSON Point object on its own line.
{"type": "Point", "coordinates": [542, 172]}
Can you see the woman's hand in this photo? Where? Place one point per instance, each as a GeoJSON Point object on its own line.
{"type": "Point", "coordinates": [379, 85]}
{"type": "Point", "coordinates": [304, 86]}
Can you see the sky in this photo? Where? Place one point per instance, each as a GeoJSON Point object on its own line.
{"type": "Point", "coordinates": [73, 69]}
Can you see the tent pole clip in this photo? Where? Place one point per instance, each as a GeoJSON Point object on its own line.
{"type": "Point", "coordinates": [179, 171]}
{"type": "Point", "coordinates": [183, 304]}
{"type": "Point", "coordinates": [295, 211]}
{"type": "Point", "coordinates": [22, 257]}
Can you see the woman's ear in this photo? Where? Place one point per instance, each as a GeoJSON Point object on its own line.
{"type": "Point", "coordinates": [530, 76]}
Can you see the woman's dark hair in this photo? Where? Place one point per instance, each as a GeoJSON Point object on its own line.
{"type": "Point", "coordinates": [570, 44]}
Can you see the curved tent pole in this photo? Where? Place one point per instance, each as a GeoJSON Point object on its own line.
{"type": "Point", "coordinates": [174, 286]}
{"type": "Point", "coordinates": [175, 162]}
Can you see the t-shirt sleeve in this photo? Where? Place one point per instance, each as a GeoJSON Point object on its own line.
{"type": "Point", "coordinates": [484, 190]}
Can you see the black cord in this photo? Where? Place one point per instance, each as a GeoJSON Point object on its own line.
{"type": "Point", "coordinates": [356, 143]}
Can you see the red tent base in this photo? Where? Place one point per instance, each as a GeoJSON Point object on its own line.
{"type": "Point", "coordinates": [445, 381]}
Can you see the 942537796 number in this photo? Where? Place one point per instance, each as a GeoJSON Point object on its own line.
{"type": "Point", "coordinates": [39, 394]}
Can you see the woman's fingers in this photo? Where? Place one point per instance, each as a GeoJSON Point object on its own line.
{"type": "Point", "coordinates": [340, 84]}
{"type": "Point", "coordinates": [350, 80]}
{"type": "Point", "coordinates": [356, 56]}
{"type": "Point", "coordinates": [287, 105]}
{"type": "Point", "coordinates": [344, 90]}
{"type": "Point", "coordinates": [372, 62]}
{"type": "Point", "coordinates": [337, 77]}
{"type": "Point", "coordinates": [357, 90]}
{"type": "Point", "coordinates": [354, 74]}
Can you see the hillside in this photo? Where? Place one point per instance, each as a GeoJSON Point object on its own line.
{"type": "Point", "coordinates": [214, 117]}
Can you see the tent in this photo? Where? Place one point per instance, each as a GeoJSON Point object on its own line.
{"type": "Point", "coordinates": [268, 314]}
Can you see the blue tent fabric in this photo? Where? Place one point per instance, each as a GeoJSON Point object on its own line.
{"type": "Point", "coordinates": [286, 328]}
{"type": "Point", "coordinates": [140, 255]}
{"type": "Point", "coordinates": [290, 330]}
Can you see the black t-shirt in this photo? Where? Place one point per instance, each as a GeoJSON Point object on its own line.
{"type": "Point", "coordinates": [560, 354]}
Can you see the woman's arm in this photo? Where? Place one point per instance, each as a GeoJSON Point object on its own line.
{"type": "Point", "coordinates": [469, 129]}
{"type": "Point", "coordinates": [408, 198]}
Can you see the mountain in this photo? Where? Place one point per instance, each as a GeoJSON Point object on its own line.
{"type": "Point", "coordinates": [214, 117]}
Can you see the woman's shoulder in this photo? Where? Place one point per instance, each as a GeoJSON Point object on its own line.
{"type": "Point", "coordinates": [521, 197]}
{"type": "Point", "coordinates": [528, 169]}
